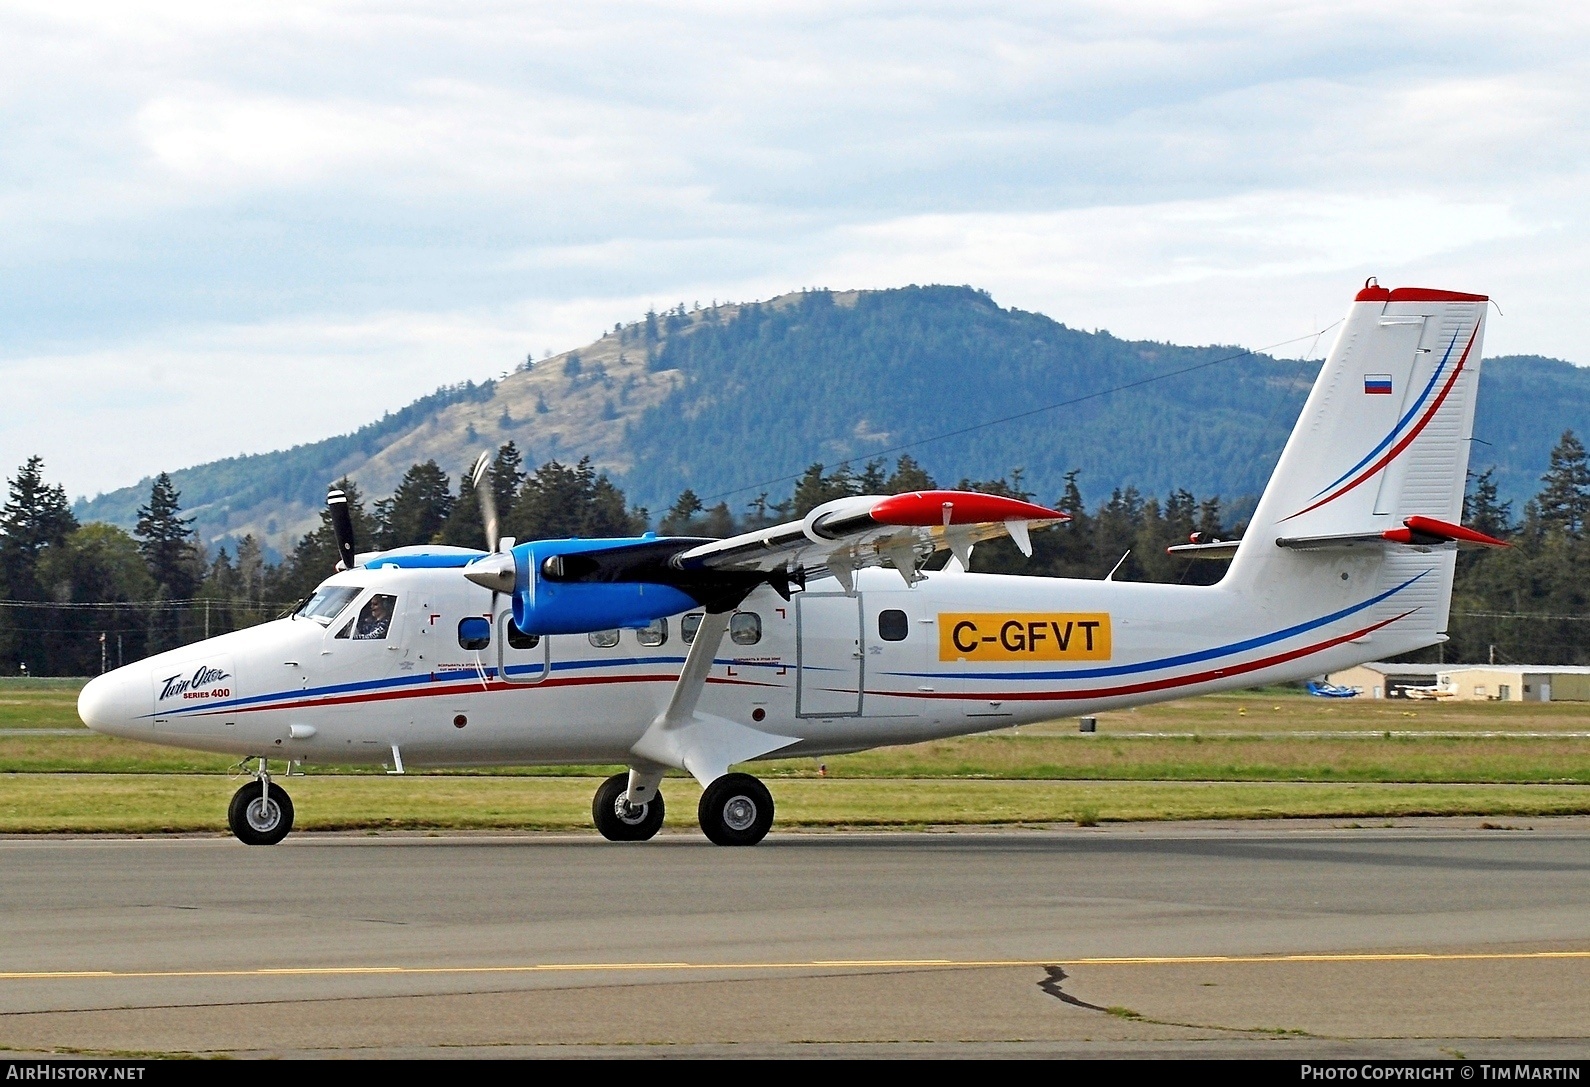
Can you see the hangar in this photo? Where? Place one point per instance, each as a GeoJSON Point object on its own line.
{"type": "Point", "coordinates": [1470, 682]}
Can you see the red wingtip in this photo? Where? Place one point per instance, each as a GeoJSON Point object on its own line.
{"type": "Point", "coordinates": [964, 508]}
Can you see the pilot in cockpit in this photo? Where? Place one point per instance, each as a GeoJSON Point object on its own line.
{"type": "Point", "coordinates": [375, 619]}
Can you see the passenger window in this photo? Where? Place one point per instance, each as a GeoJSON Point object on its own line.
{"type": "Point", "coordinates": [688, 627]}
{"type": "Point", "coordinates": [653, 633]}
{"type": "Point", "coordinates": [474, 632]}
{"type": "Point", "coordinates": [518, 639]}
{"type": "Point", "coordinates": [892, 625]}
{"type": "Point", "coordinates": [745, 628]}
{"type": "Point", "coordinates": [604, 639]}
{"type": "Point", "coordinates": [375, 619]}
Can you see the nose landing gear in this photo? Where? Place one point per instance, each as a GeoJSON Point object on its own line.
{"type": "Point", "coordinates": [261, 812]}
{"type": "Point", "coordinates": [621, 821]}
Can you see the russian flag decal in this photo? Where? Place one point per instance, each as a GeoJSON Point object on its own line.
{"type": "Point", "coordinates": [1378, 383]}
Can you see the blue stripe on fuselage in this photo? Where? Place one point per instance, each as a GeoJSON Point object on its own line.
{"type": "Point", "coordinates": [454, 675]}
{"type": "Point", "coordinates": [1183, 658]}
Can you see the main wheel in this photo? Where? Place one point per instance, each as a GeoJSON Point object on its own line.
{"type": "Point", "coordinates": [736, 809]}
{"type": "Point", "coordinates": [257, 819]}
{"type": "Point", "coordinates": [619, 822]}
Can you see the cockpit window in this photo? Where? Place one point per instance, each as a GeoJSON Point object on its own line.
{"type": "Point", "coordinates": [327, 602]}
{"type": "Point", "coordinates": [375, 618]}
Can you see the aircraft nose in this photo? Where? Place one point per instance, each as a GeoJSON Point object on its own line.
{"type": "Point", "coordinates": [106, 703]}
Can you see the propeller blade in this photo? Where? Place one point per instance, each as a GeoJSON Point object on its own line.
{"type": "Point", "coordinates": [481, 476]}
{"type": "Point", "coordinates": [342, 527]}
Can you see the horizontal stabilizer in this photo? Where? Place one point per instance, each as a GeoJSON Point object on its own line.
{"type": "Point", "coordinates": [1415, 532]}
{"type": "Point", "coordinates": [1213, 549]}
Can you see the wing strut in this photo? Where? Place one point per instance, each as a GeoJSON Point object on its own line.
{"type": "Point", "coordinates": [702, 744]}
{"type": "Point", "coordinates": [698, 664]}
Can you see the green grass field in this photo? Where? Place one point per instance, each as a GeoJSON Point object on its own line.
{"type": "Point", "coordinates": [163, 803]}
{"type": "Point", "coordinates": [1248, 755]}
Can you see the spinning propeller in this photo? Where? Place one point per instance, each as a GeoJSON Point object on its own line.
{"type": "Point", "coordinates": [496, 571]}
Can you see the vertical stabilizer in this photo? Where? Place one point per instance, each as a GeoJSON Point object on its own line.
{"type": "Point", "coordinates": [1384, 436]}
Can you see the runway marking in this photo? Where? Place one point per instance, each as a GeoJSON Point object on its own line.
{"type": "Point", "coordinates": [854, 964]}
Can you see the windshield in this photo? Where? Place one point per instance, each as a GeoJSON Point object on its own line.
{"type": "Point", "coordinates": [327, 602]}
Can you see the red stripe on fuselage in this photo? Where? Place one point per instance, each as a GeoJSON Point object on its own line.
{"type": "Point", "coordinates": [1164, 684]}
{"type": "Point", "coordinates": [472, 685]}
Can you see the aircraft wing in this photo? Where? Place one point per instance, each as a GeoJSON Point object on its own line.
{"type": "Point", "coordinates": [575, 586]}
{"type": "Point", "coordinates": [899, 530]}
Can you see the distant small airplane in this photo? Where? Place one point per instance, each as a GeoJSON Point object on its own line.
{"type": "Point", "coordinates": [1333, 690]}
{"type": "Point", "coordinates": [825, 635]}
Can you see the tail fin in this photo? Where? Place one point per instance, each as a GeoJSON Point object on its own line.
{"type": "Point", "coordinates": [1384, 436]}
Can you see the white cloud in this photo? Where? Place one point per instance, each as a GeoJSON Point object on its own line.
{"type": "Point", "coordinates": [325, 209]}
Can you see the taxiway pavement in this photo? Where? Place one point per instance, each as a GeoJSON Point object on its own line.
{"type": "Point", "coordinates": [1278, 939]}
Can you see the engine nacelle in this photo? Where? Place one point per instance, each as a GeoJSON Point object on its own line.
{"type": "Point", "coordinates": [560, 588]}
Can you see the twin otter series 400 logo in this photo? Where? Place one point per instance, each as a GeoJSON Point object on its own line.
{"type": "Point", "coordinates": [1025, 636]}
{"type": "Point", "coordinates": [203, 682]}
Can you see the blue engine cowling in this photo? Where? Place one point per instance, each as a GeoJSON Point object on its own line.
{"type": "Point", "coordinates": [595, 593]}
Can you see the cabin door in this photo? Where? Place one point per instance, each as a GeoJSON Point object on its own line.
{"type": "Point", "coordinates": [829, 657]}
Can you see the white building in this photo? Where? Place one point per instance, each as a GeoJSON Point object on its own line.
{"type": "Point", "coordinates": [1472, 682]}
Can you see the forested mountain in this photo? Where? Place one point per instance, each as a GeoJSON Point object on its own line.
{"type": "Point", "coordinates": [734, 401]}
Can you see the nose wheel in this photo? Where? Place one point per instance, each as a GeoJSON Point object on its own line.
{"type": "Point", "coordinates": [736, 809]}
{"type": "Point", "coordinates": [261, 812]}
{"type": "Point", "coordinates": [621, 821]}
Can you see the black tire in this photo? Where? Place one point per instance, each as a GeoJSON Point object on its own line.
{"type": "Point", "coordinates": [736, 809]}
{"type": "Point", "coordinates": [625, 824]}
{"type": "Point", "coordinates": [257, 823]}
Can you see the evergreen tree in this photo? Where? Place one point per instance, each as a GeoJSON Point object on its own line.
{"type": "Point", "coordinates": [815, 487]}
{"type": "Point", "coordinates": [418, 508]}
{"type": "Point", "coordinates": [1564, 502]}
{"type": "Point", "coordinates": [35, 520]}
{"type": "Point", "coordinates": [465, 526]}
{"type": "Point", "coordinates": [35, 517]}
{"type": "Point", "coordinates": [251, 570]}
{"type": "Point", "coordinates": [507, 476]}
{"type": "Point", "coordinates": [719, 522]}
{"type": "Point", "coordinates": [1481, 509]}
{"type": "Point", "coordinates": [871, 480]}
{"type": "Point", "coordinates": [166, 540]}
{"type": "Point", "coordinates": [560, 501]}
{"type": "Point", "coordinates": [680, 516]}
{"type": "Point", "coordinates": [908, 476]}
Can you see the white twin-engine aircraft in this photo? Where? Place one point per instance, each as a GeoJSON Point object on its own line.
{"type": "Point", "coordinates": [825, 635]}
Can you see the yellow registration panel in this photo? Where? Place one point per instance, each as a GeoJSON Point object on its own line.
{"type": "Point", "coordinates": [1024, 636]}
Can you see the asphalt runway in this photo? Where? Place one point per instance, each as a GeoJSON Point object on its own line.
{"type": "Point", "coordinates": [1269, 940]}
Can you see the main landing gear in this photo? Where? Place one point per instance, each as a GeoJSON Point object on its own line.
{"type": "Point", "coordinates": [261, 812]}
{"type": "Point", "coordinates": [736, 809]}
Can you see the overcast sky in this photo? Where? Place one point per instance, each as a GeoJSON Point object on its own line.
{"type": "Point", "coordinates": [230, 228]}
